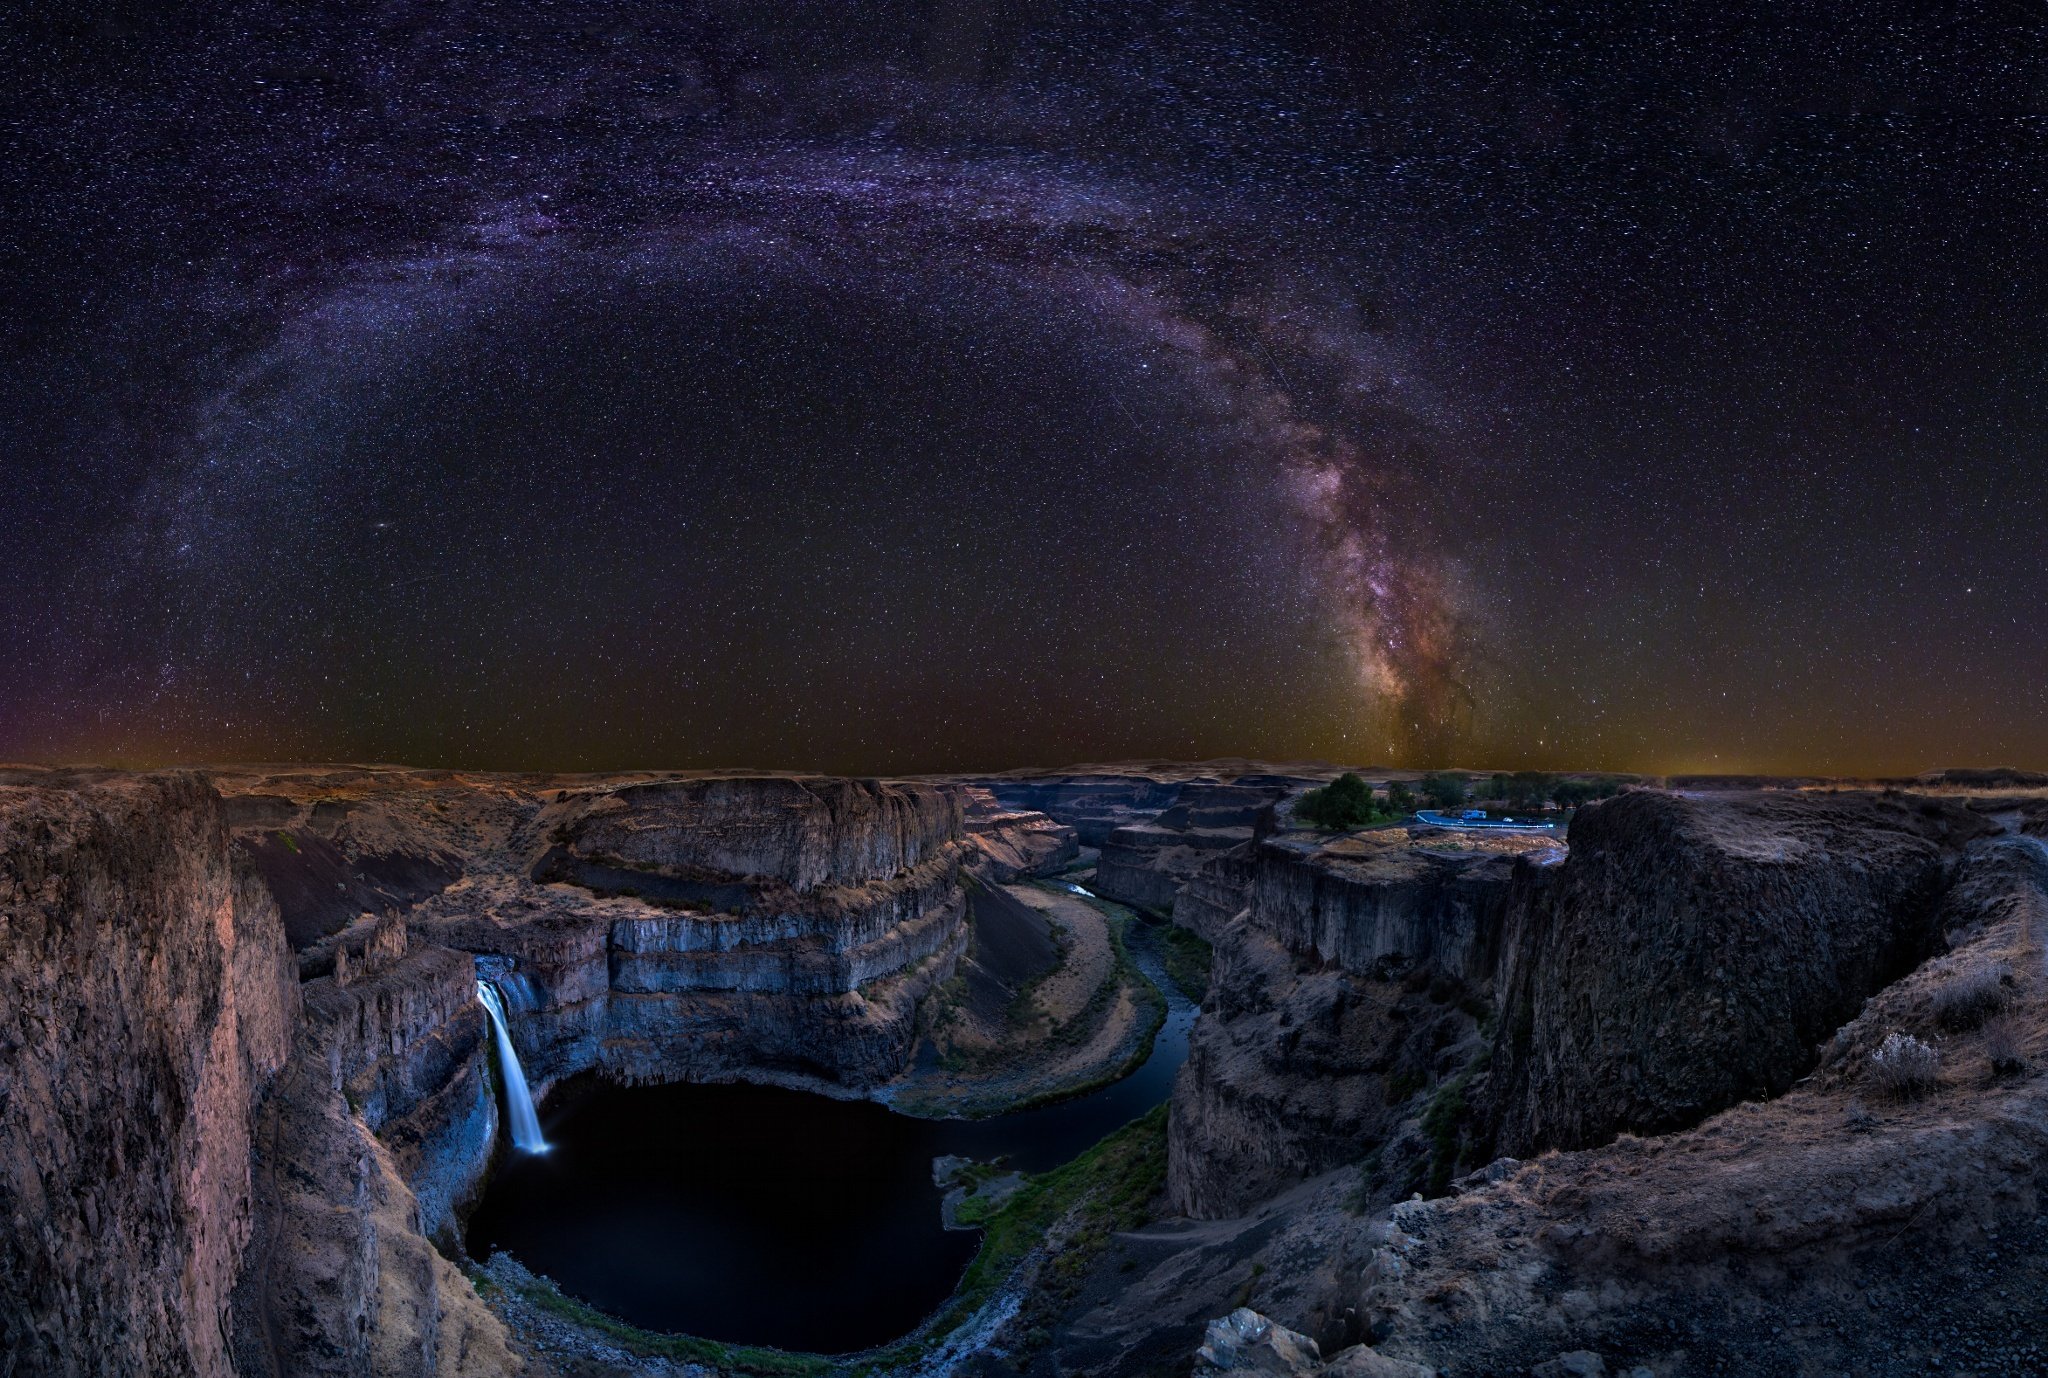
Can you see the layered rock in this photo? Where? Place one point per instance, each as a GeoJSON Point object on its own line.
{"type": "Point", "coordinates": [804, 832]}
{"type": "Point", "coordinates": [1148, 863]}
{"type": "Point", "coordinates": [1335, 999]}
{"type": "Point", "coordinates": [1014, 843]}
{"type": "Point", "coordinates": [158, 1037]}
{"type": "Point", "coordinates": [146, 1003]}
{"type": "Point", "coordinates": [1693, 953]}
{"type": "Point", "coordinates": [668, 960]}
{"type": "Point", "coordinates": [1094, 805]}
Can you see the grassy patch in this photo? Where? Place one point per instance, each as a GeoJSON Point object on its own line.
{"type": "Point", "coordinates": [1444, 1121]}
{"type": "Point", "coordinates": [1187, 960]}
{"type": "Point", "coordinates": [1024, 1011]}
{"type": "Point", "coordinates": [1106, 1189]}
{"type": "Point", "coordinates": [291, 843]}
{"type": "Point", "coordinates": [741, 1359]}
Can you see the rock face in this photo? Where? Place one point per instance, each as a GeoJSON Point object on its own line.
{"type": "Point", "coordinates": [1694, 953]}
{"type": "Point", "coordinates": [653, 953]}
{"type": "Point", "coordinates": [1334, 1000]}
{"type": "Point", "coordinates": [1833, 1229]}
{"type": "Point", "coordinates": [1148, 863]}
{"type": "Point", "coordinates": [161, 1035]}
{"type": "Point", "coordinates": [802, 832]}
{"type": "Point", "coordinates": [1094, 805]}
{"type": "Point", "coordinates": [1014, 843]}
{"type": "Point", "coordinates": [146, 1003]}
{"type": "Point", "coordinates": [1217, 892]}
{"type": "Point", "coordinates": [1687, 954]}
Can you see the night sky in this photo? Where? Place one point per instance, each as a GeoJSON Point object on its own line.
{"type": "Point", "coordinates": [888, 387]}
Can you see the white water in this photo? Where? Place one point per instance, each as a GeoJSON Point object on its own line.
{"type": "Point", "coordinates": [525, 1124]}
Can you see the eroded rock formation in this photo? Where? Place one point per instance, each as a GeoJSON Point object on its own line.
{"type": "Point", "coordinates": [276, 1112]}
{"type": "Point", "coordinates": [1346, 987]}
{"type": "Point", "coordinates": [1147, 863]}
{"type": "Point", "coordinates": [147, 1001]}
{"type": "Point", "coordinates": [1691, 954]}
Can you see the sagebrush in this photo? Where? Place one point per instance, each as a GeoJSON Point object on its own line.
{"type": "Point", "coordinates": [1905, 1068]}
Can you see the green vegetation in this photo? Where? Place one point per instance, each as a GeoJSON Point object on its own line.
{"type": "Point", "coordinates": [1569, 794]}
{"type": "Point", "coordinates": [739, 1359]}
{"type": "Point", "coordinates": [1106, 1189]}
{"type": "Point", "coordinates": [1187, 960]}
{"type": "Point", "coordinates": [291, 843]}
{"type": "Point", "coordinates": [1445, 1121]}
{"type": "Point", "coordinates": [1345, 803]}
{"type": "Point", "coordinates": [1443, 791]}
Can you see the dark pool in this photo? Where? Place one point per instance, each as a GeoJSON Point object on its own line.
{"type": "Point", "coordinates": [760, 1215]}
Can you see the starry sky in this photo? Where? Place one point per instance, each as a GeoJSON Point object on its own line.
{"type": "Point", "coordinates": [917, 386]}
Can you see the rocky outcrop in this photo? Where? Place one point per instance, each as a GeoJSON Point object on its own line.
{"type": "Point", "coordinates": [1094, 805]}
{"type": "Point", "coordinates": [1014, 843]}
{"type": "Point", "coordinates": [383, 1124]}
{"type": "Point", "coordinates": [160, 1036]}
{"type": "Point", "coordinates": [147, 1001]}
{"type": "Point", "coordinates": [1344, 991]}
{"type": "Point", "coordinates": [1833, 1229]}
{"type": "Point", "coordinates": [803, 832]}
{"type": "Point", "coordinates": [1147, 863]}
{"type": "Point", "coordinates": [1692, 953]}
{"type": "Point", "coordinates": [1217, 892]}
{"type": "Point", "coordinates": [1245, 1342]}
{"type": "Point", "coordinates": [1380, 908]}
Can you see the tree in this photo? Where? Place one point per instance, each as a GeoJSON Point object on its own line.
{"type": "Point", "coordinates": [1571, 794]}
{"type": "Point", "coordinates": [1346, 802]}
{"type": "Point", "coordinates": [1444, 791]}
{"type": "Point", "coordinates": [1400, 798]}
{"type": "Point", "coordinates": [1528, 789]}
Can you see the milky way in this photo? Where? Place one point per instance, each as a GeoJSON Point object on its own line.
{"type": "Point", "coordinates": [951, 387]}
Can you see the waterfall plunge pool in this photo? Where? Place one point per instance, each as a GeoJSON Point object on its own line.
{"type": "Point", "coordinates": [758, 1215]}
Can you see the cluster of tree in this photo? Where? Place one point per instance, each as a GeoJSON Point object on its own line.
{"type": "Point", "coordinates": [1525, 789]}
{"type": "Point", "coordinates": [1346, 802]}
{"type": "Point", "coordinates": [1443, 791]}
{"type": "Point", "coordinates": [1569, 794]}
{"type": "Point", "coordinates": [1349, 802]}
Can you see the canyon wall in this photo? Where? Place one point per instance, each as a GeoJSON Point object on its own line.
{"type": "Point", "coordinates": [1693, 953]}
{"type": "Point", "coordinates": [1094, 805]}
{"type": "Point", "coordinates": [276, 1109]}
{"type": "Point", "coordinates": [1339, 993]}
{"type": "Point", "coordinates": [1385, 1001]}
{"type": "Point", "coordinates": [1147, 863]}
{"type": "Point", "coordinates": [147, 1001]}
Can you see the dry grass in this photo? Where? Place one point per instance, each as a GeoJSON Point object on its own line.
{"type": "Point", "coordinates": [1904, 1068]}
{"type": "Point", "coordinates": [2004, 1045]}
{"type": "Point", "coordinates": [1972, 996]}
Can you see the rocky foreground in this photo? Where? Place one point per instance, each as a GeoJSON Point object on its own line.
{"type": "Point", "coordinates": [1741, 1080]}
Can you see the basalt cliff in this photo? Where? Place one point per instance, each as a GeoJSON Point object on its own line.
{"type": "Point", "coordinates": [1628, 1100]}
{"type": "Point", "coordinates": [246, 1078]}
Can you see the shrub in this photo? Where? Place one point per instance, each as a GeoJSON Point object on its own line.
{"type": "Point", "coordinates": [1905, 1068]}
{"type": "Point", "coordinates": [1970, 997]}
{"type": "Point", "coordinates": [1444, 791]}
{"type": "Point", "coordinates": [1346, 802]}
{"type": "Point", "coordinates": [2003, 1044]}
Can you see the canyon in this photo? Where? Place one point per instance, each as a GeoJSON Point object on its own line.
{"type": "Point", "coordinates": [1452, 1103]}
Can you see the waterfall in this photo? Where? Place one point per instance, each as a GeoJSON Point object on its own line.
{"type": "Point", "coordinates": [525, 1124]}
